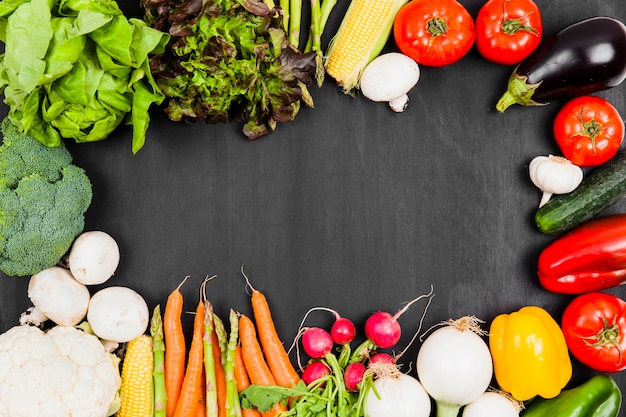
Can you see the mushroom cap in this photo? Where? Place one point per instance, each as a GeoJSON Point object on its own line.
{"type": "Point", "coordinates": [56, 294]}
{"type": "Point", "coordinates": [118, 314]}
{"type": "Point", "coordinates": [389, 76]}
{"type": "Point", "coordinates": [94, 257]}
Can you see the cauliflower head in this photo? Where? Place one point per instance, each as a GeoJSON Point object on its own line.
{"type": "Point", "coordinates": [63, 372]}
{"type": "Point", "coordinates": [43, 199]}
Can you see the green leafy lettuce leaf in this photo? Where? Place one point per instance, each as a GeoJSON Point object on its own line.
{"type": "Point", "coordinates": [228, 59]}
{"type": "Point", "coordinates": [77, 69]}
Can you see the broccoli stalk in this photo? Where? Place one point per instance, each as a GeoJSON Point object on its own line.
{"type": "Point", "coordinates": [43, 199]}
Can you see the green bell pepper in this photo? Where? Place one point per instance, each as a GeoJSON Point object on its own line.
{"type": "Point", "coordinates": [598, 397]}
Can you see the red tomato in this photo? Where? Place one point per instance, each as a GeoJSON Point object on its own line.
{"type": "Point", "coordinates": [507, 31]}
{"type": "Point", "coordinates": [594, 325]}
{"type": "Point", "coordinates": [588, 130]}
{"type": "Point", "coordinates": [434, 32]}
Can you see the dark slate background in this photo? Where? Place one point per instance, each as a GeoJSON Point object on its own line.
{"type": "Point", "coordinates": [350, 206]}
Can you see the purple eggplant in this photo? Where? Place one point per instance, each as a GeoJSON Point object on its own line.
{"type": "Point", "coordinates": [583, 58]}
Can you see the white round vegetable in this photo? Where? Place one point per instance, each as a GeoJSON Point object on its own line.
{"type": "Point", "coordinates": [554, 175]}
{"type": "Point", "coordinates": [389, 78]}
{"type": "Point", "coordinates": [492, 404]}
{"type": "Point", "coordinates": [401, 395]}
{"type": "Point", "coordinates": [94, 257]}
{"type": "Point", "coordinates": [118, 314]}
{"type": "Point", "coordinates": [454, 365]}
{"type": "Point", "coordinates": [58, 296]}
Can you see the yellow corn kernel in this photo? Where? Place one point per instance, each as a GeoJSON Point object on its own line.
{"type": "Point", "coordinates": [363, 33]}
{"type": "Point", "coordinates": [136, 389]}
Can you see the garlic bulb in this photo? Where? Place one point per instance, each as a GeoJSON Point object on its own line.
{"type": "Point", "coordinates": [554, 175]}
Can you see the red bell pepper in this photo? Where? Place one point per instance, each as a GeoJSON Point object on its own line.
{"type": "Point", "coordinates": [591, 257]}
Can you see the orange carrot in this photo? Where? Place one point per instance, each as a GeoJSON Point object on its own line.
{"type": "Point", "coordinates": [243, 381]}
{"type": "Point", "coordinates": [241, 375]}
{"type": "Point", "coordinates": [175, 348]}
{"type": "Point", "coordinates": [275, 354]}
{"type": "Point", "coordinates": [193, 389]}
{"type": "Point", "coordinates": [258, 370]}
{"type": "Point", "coordinates": [220, 378]}
{"type": "Point", "coordinates": [201, 408]}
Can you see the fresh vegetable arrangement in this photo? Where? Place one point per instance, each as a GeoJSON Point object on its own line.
{"type": "Point", "coordinates": [240, 367]}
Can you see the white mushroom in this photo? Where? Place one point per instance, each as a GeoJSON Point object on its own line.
{"type": "Point", "coordinates": [389, 78]}
{"type": "Point", "coordinates": [56, 296]}
{"type": "Point", "coordinates": [118, 314]}
{"type": "Point", "coordinates": [94, 257]}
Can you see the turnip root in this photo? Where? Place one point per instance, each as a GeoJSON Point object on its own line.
{"type": "Point", "coordinates": [396, 394]}
{"type": "Point", "coordinates": [493, 404]}
{"type": "Point", "coordinates": [94, 257]}
{"type": "Point", "coordinates": [56, 296]}
{"type": "Point", "coordinates": [118, 314]}
{"type": "Point", "coordinates": [454, 365]}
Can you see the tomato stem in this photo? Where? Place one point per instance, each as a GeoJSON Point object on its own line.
{"type": "Point", "coordinates": [591, 129]}
{"type": "Point", "coordinates": [608, 335]}
{"type": "Point", "coordinates": [512, 26]}
{"type": "Point", "coordinates": [437, 26]}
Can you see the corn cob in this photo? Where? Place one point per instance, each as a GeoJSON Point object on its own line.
{"type": "Point", "coordinates": [136, 389]}
{"type": "Point", "coordinates": [363, 33]}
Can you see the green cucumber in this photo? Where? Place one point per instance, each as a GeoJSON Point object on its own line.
{"type": "Point", "coordinates": [605, 186]}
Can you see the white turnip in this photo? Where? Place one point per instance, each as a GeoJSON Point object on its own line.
{"type": "Point", "coordinates": [56, 296]}
{"type": "Point", "coordinates": [454, 365]}
{"type": "Point", "coordinates": [396, 394]}
{"type": "Point", "coordinates": [94, 257]}
{"type": "Point", "coordinates": [492, 404]}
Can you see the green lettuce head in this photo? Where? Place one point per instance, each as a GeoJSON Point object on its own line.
{"type": "Point", "coordinates": [77, 69]}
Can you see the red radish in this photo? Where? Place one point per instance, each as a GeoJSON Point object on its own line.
{"type": "Point", "coordinates": [343, 331]}
{"type": "Point", "coordinates": [316, 342]}
{"type": "Point", "coordinates": [314, 371]}
{"type": "Point", "coordinates": [353, 375]}
{"type": "Point", "coordinates": [383, 329]}
{"type": "Point", "coordinates": [381, 357]}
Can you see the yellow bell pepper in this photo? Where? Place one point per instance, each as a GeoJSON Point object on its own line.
{"type": "Point", "coordinates": [529, 352]}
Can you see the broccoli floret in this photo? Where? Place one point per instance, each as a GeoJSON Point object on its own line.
{"type": "Point", "coordinates": [43, 199]}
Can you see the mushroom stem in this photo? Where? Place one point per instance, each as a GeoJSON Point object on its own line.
{"type": "Point", "coordinates": [399, 104]}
